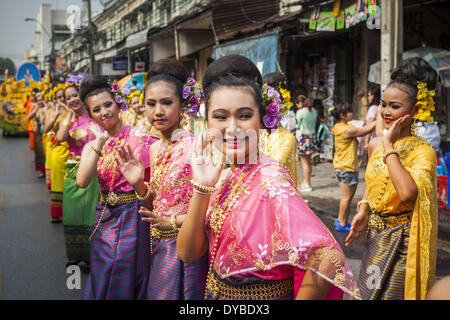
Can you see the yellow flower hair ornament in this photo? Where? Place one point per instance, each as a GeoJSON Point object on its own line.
{"type": "Point", "coordinates": [135, 93]}
{"type": "Point", "coordinates": [425, 103]}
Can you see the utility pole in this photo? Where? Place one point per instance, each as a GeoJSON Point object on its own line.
{"type": "Point", "coordinates": [91, 34]}
{"type": "Point", "coordinates": [391, 38]}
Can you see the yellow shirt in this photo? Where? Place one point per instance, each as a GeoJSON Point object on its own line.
{"type": "Point", "coordinates": [282, 146]}
{"type": "Point", "coordinates": [346, 149]}
{"type": "Point", "coordinates": [419, 159]}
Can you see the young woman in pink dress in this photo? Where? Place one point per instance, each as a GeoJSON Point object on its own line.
{"type": "Point", "coordinates": [263, 240]}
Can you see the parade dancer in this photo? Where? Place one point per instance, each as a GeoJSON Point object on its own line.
{"type": "Point", "coordinates": [169, 95]}
{"type": "Point", "coordinates": [399, 205]}
{"type": "Point", "coordinates": [79, 204]}
{"type": "Point", "coordinates": [263, 240]}
{"type": "Point", "coordinates": [58, 153]}
{"type": "Point", "coordinates": [36, 114]}
{"type": "Point", "coordinates": [120, 248]}
{"type": "Point", "coordinates": [278, 142]}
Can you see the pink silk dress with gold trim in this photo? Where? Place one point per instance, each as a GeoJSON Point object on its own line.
{"type": "Point", "coordinates": [170, 278]}
{"type": "Point", "coordinates": [120, 247]}
{"type": "Point", "coordinates": [269, 236]}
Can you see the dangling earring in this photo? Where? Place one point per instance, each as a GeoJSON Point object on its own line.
{"type": "Point", "coordinates": [413, 127]}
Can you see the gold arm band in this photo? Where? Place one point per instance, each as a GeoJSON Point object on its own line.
{"type": "Point", "coordinates": [389, 152]}
{"type": "Point", "coordinates": [148, 192]}
{"type": "Point", "coordinates": [96, 151]}
{"type": "Point", "coordinates": [360, 203]}
{"type": "Point", "coordinates": [201, 187]}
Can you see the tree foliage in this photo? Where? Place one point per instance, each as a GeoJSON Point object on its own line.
{"type": "Point", "coordinates": [7, 63]}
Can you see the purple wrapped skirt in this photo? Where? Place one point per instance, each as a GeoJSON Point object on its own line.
{"type": "Point", "coordinates": [120, 255]}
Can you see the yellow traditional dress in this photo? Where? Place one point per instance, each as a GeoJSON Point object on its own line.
{"type": "Point", "coordinates": [128, 117]}
{"type": "Point", "coordinates": [400, 259]}
{"type": "Point", "coordinates": [59, 152]}
{"type": "Point", "coordinates": [281, 145]}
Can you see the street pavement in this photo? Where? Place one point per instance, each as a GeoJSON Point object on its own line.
{"type": "Point", "coordinates": [32, 250]}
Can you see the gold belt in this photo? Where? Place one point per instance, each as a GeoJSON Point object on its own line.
{"type": "Point", "coordinates": [273, 289]}
{"type": "Point", "coordinates": [115, 199]}
{"type": "Point", "coordinates": [164, 234]}
{"type": "Point", "coordinates": [380, 222]}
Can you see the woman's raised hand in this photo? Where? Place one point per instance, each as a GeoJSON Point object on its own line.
{"type": "Point", "coordinates": [133, 170]}
{"type": "Point", "coordinates": [99, 134]}
{"type": "Point", "coordinates": [203, 169]}
{"type": "Point", "coordinates": [395, 132]}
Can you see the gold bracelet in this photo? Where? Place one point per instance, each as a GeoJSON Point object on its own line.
{"type": "Point", "coordinates": [389, 152]}
{"type": "Point", "coordinates": [360, 203]}
{"type": "Point", "coordinates": [148, 192]}
{"type": "Point", "coordinates": [96, 151]}
{"type": "Point", "coordinates": [201, 187]}
{"type": "Point", "coordinates": [173, 221]}
{"type": "Point", "coordinates": [67, 123]}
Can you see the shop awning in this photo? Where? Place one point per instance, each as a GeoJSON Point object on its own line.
{"type": "Point", "coordinates": [438, 58]}
{"type": "Point", "coordinates": [136, 39]}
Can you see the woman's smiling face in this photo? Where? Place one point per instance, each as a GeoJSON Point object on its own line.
{"type": "Point", "coordinates": [73, 99]}
{"type": "Point", "coordinates": [395, 104]}
{"type": "Point", "coordinates": [104, 110]}
{"type": "Point", "coordinates": [233, 115]}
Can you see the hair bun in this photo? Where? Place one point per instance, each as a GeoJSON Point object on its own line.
{"type": "Point", "coordinates": [413, 70]}
{"type": "Point", "coordinates": [234, 64]}
{"type": "Point", "coordinates": [92, 83]}
{"type": "Point", "coordinates": [274, 79]}
{"type": "Point", "coordinates": [171, 67]}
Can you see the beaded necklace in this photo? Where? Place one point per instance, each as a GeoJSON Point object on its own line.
{"type": "Point", "coordinates": [111, 198]}
{"type": "Point", "coordinates": [157, 178]}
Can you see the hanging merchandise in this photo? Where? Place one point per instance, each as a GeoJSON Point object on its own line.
{"type": "Point", "coordinates": [336, 8]}
{"type": "Point", "coordinates": [315, 15]}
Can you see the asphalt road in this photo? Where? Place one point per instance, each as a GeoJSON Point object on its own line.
{"type": "Point", "coordinates": [32, 250]}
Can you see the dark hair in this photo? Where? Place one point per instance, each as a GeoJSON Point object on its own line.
{"type": "Point", "coordinates": [274, 79]}
{"type": "Point", "coordinates": [233, 71]}
{"type": "Point", "coordinates": [72, 86]}
{"type": "Point", "coordinates": [169, 70]}
{"type": "Point", "coordinates": [340, 109]}
{"type": "Point", "coordinates": [374, 89]}
{"type": "Point", "coordinates": [91, 86]}
{"type": "Point", "coordinates": [306, 101]}
{"type": "Point", "coordinates": [409, 72]}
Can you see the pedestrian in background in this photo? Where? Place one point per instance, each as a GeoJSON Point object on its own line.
{"type": "Point", "coordinates": [373, 99]}
{"type": "Point", "coordinates": [306, 136]}
{"type": "Point", "coordinates": [345, 160]}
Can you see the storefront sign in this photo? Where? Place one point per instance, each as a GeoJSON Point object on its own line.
{"type": "Point", "coordinates": [139, 66]}
{"type": "Point", "coordinates": [360, 11]}
{"type": "Point", "coordinates": [107, 70]}
{"type": "Point", "coordinates": [120, 63]}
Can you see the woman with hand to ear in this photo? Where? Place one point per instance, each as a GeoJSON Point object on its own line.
{"type": "Point", "coordinates": [399, 205]}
